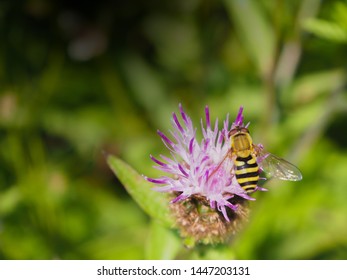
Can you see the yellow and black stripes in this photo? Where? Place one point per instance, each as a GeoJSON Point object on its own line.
{"type": "Point", "coordinates": [247, 172]}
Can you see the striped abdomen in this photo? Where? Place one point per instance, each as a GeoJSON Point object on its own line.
{"type": "Point", "coordinates": [247, 172]}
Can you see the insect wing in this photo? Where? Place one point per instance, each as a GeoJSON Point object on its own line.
{"type": "Point", "coordinates": [279, 168]}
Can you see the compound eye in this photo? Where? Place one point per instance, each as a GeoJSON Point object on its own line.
{"type": "Point", "coordinates": [245, 130]}
{"type": "Point", "coordinates": [232, 132]}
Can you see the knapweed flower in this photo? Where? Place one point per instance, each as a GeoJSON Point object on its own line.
{"type": "Point", "coordinates": [208, 202]}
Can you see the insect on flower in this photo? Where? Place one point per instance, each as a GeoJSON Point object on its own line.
{"type": "Point", "coordinates": [245, 156]}
{"type": "Point", "coordinates": [220, 169]}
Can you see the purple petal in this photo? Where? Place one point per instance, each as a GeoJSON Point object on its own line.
{"type": "Point", "coordinates": [224, 211]}
{"type": "Point", "coordinates": [191, 145]}
{"type": "Point", "coordinates": [204, 159]}
{"type": "Point", "coordinates": [216, 127]}
{"type": "Point", "coordinates": [239, 118]}
{"type": "Point", "coordinates": [206, 176]}
{"type": "Point", "coordinates": [232, 206]}
{"type": "Point", "coordinates": [167, 140]}
{"type": "Point", "coordinates": [226, 123]}
{"type": "Point", "coordinates": [169, 160]}
{"type": "Point", "coordinates": [157, 161]}
{"type": "Point", "coordinates": [207, 113]}
{"type": "Point", "coordinates": [261, 189]}
{"type": "Point", "coordinates": [221, 137]}
{"type": "Point", "coordinates": [177, 122]}
{"type": "Point", "coordinates": [182, 170]}
{"type": "Point", "coordinates": [207, 142]}
{"type": "Point", "coordinates": [156, 181]}
{"type": "Point", "coordinates": [179, 198]}
{"type": "Point", "coordinates": [261, 146]}
{"type": "Point", "coordinates": [183, 114]}
{"type": "Point", "coordinates": [228, 196]}
{"type": "Point", "coordinates": [228, 182]}
{"type": "Point", "coordinates": [245, 196]}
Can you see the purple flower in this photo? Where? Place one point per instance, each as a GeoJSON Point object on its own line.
{"type": "Point", "coordinates": [194, 168]}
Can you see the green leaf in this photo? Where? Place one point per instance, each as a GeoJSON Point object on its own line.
{"type": "Point", "coordinates": [162, 244]}
{"type": "Point", "coordinates": [339, 14]}
{"type": "Point", "coordinates": [9, 200]}
{"type": "Point", "coordinates": [153, 203]}
{"type": "Point", "coordinates": [255, 31]}
{"type": "Point", "coordinates": [308, 87]}
{"type": "Point", "coordinates": [147, 86]}
{"type": "Point", "coordinates": [326, 30]}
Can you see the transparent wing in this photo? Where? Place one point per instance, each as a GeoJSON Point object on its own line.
{"type": "Point", "coordinates": [279, 168]}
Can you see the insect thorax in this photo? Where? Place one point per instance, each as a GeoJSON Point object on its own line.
{"type": "Point", "coordinates": [241, 144]}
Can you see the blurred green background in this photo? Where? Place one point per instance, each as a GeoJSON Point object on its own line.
{"type": "Point", "coordinates": [83, 79]}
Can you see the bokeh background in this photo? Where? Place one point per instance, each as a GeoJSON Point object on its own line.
{"type": "Point", "coordinates": [83, 79]}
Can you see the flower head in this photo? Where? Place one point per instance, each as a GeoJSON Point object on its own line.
{"type": "Point", "coordinates": [201, 170]}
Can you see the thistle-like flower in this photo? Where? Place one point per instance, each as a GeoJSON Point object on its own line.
{"type": "Point", "coordinates": [205, 191]}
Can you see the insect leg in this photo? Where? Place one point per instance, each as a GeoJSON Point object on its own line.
{"type": "Point", "coordinates": [220, 164]}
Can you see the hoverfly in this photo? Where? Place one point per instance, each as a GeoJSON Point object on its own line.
{"type": "Point", "coordinates": [246, 169]}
